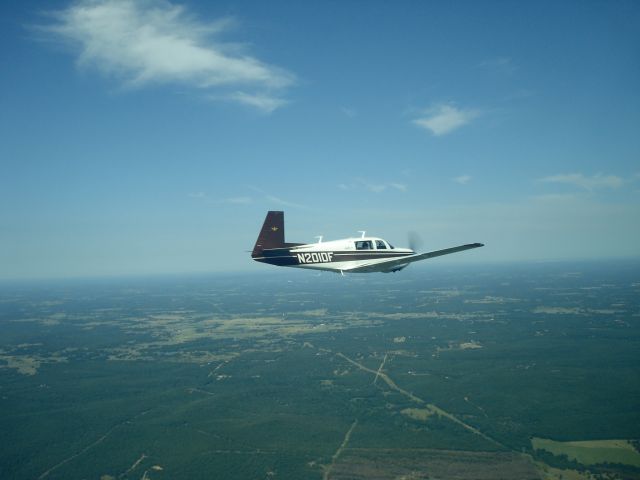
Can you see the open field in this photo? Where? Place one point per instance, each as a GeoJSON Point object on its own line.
{"type": "Point", "coordinates": [390, 464]}
{"type": "Point", "coordinates": [592, 452]}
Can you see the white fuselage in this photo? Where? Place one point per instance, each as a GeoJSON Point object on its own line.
{"type": "Point", "coordinates": [345, 254]}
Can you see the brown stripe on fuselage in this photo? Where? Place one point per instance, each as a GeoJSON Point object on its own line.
{"type": "Point", "coordinates": [285, 257]}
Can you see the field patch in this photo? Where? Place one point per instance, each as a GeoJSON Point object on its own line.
{"type": "Point", "coordinates": [421, 414]}
{"type": "Point", "coordinates": [382, 464]}
{"type": "Point", "coordinates": [591, 452]}
{"type": "Point", "coordinates": [29, 364]}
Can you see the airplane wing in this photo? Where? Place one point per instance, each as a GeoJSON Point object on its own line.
{"type": "Point", "coordinates": [393, 264]}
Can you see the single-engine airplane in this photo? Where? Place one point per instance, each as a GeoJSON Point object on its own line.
{"type": "Point", "coordinates": [349, 255]}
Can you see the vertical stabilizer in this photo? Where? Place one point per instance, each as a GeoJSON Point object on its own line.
{"type": "Point", "coordinates": [272, 233]}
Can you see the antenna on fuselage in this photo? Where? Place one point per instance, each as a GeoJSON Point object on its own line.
{"type": "Point", "coordinates": [319, 237]}
{"type": "Point", "coordinates": [362, 232]}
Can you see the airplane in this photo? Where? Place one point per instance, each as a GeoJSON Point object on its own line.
{"type": "Point", "coordinates": [349, 255]}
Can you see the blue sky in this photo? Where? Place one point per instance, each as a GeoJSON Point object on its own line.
{"type": "Point", "coordinates": [153, 136]}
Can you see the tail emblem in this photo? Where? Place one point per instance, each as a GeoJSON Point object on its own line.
{"type": "Point", "coordinates": [275, 229]}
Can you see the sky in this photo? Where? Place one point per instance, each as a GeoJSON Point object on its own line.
{"type": "Point", "coordinates": [150, 137]}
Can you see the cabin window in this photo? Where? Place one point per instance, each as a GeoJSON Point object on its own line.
{"type": "Point", "coordinates": [380, 245]}
{"type": "Point", "coordinates": [364, 245]}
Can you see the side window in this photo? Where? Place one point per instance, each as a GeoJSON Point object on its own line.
{"type": "Point", "coordinates": [380, 245]}
{"type": "Point", "coordinates": [364, 245]}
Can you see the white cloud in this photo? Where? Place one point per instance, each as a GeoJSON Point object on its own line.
{"type": "Point", "coordinates": [200, 195]}
{"type": "Point", "coordinates": [282, 203]}
{"type": "Point", "coordinates": [588, 183]}
{"type": "Point", "coordinates": [237, 200]}
{"type": "Point", "coordinates": [155, 42]}
{"type": "Point", "coordinates": [399, 186]}
{"type": "Point", "coordinates": [229, 200]}
{"type": "Point", "coordinates": [363, 184]}
{"type": "Point", "coordinates": [263, 102]}
{"type": "Point", "coordinates": [556, 197]}
{"type": "Point", "coordinates": [443, 119]}
{"type": "Point", "coordinates": [502, 65]}
{"type": "Point", "coordinates": [373, 187]}
{"type": "Point", "coordinates": [349, 112]}
{"type": "Point", "coordinates": [276, 200]}
{"type": "Point", "coordinates": [462, 179]}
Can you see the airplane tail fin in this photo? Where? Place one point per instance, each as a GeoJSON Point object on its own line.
{"type": "Point", "coordinates": [272, 233]}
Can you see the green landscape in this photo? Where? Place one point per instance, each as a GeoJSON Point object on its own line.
{"type": "Point", "coordinates": [526, 371]}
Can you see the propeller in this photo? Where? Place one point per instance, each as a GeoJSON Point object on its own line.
{"type": "Point", "coordinates": [415, 242]}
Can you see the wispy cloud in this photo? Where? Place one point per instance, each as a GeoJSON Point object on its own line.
{"type": "Point", "coordinates": [373, 187]}
{"type": "Point", "coordinates": [237, 200]}
{"type": "Point", "coordinates": [156, 42]}
{"type": "Point", "coordinates": [502, 65]}
{"type": "Point", "coordinates": [275, 200]}
{"type": "Point", "coordinates": [204, 197]}
{"type": "Point", "coordinates": [199, 195]}
{"type": "Point", "coordinates": [462, 179]}
{"type": "Point", "coordinates": [557, 197]}
{"type": "Point", "coordinates": [444, 119]}
{"type": "Point", "coordinates": [399, 186]}
{"type": "Point", "coordinates": [349, 112]}
{"type": "Point", "coordinates": [364, 184]}
{"type": "Point", "coordinates": [580, 180]}
{"type": "Point", "coordinates": [263, 102]}
{"type": "Point", "coordinates": [283, 203]}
